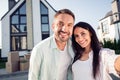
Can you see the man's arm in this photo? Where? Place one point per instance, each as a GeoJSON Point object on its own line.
{"type": "Point", "coordinates": [34, 67]}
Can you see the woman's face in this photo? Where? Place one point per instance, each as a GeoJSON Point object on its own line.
{"type": "Point", "coordinates": [82, 37]}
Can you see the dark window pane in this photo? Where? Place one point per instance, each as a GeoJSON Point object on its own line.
{"type": "Point", "coordinates": [23, 9]}
{"type": "Point", "coordinates": [22, 28]}
{"type": "Point", "coordinates": [23, 19]}
{"type": "Point", "coordinates": [16, 12]}
{"type": "Point", "coordinates": [44, 19]}
{"type": "Point", "coordinates": [45, 36]}
{"type": "Point", "coordinates": [15, 19]}
{"type": "Point", "coordinates": [45, 27]}
{"type": "Point", "coordinates": [43, 8]}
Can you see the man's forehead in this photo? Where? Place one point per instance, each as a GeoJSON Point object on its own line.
{"type": "Point", "coordinates": [64, 19]}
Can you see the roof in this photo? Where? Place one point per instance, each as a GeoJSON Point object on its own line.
{"type": "Point", "coordinates": [8, 11]}
{"type": "Point", "coordinates": [107, 15]}
{"type": "Point", "coordinates": [18, 1]}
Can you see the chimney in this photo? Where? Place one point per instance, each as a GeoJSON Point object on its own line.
{"type": "Point", "coordinates": [116, 10]}
{"type": "Point", "coordinates": [11, 4]}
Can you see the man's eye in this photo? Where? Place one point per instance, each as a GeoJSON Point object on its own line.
{"type": "Point", "coordinates": [70, 25]}
{"type": "Point", "coordinates": [60, 24]}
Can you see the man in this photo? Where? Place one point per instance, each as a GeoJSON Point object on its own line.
{"type": "Point", "coordinates": [52, 57]}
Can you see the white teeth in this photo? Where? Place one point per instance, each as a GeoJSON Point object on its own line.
{"type": "Point", "coordinates": [81, 42]}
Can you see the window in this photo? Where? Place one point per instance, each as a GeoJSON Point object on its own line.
{"type": "Point", "coordinates": [18, 29]}
{"type": "Point", "coordinates": [18, 42]}
{"type": "Point", "coordinates": [44, 21]}
{"type": "Point", "coordinates": [105, 27]}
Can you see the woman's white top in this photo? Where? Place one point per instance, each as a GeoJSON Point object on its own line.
{"type": "Point", "coordinates": [82, 70]}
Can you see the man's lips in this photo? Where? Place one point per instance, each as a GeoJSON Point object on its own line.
{"type": "Point", "coordinates": [63, 33]}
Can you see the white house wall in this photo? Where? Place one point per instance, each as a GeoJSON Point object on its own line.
{"type": "Point", "coordinates": [36, 26]}
{"type": "Point", "coordinates": [111, 34]}
{"type": "Point", "coordinates": [117, 26]}
{"type": "Point", "coordinates": [6, 31]}
{"type": "Point", "coordinates": [100, 37]}
{"type": "Point", "coordinates": [37, 21]}
{"type": "Point", "coordinates": [5, 36]}
{"type": "Point", "coordinates": [0, 36]}
{"type": "Point", "coordinates": [51, 16]}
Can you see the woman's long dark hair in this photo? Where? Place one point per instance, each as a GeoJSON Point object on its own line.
{"type": "Point", "coordinates": [95, 45]}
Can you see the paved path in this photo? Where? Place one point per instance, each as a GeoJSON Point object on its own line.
{"type": "Point", "coordinates": [23, 75]}
{"type": "Point", "coordinates": [19, 75]}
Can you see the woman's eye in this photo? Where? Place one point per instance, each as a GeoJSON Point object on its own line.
{"type": "Point", "coordinates": [82, 34]}
{"type": "Point", "coordinates": [76, 36]}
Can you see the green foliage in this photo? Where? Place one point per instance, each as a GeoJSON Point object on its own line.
{"type": "Point", "coordinates": [115, 45]}
{"type": "Point", "coordinates": [2, 63]}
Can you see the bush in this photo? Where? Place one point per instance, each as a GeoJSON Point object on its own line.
{"type": "Point", "coordinates": [112, 45]}
{"type": "Point", "coordinates": [0, 53]}
{"type": "Point", "coordinates": [117, 51]}
{"type": "Point", "coordinates": [2, 62]}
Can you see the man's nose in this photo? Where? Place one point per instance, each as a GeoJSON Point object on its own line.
{"type": "Point", "coordinates": [64, 28]}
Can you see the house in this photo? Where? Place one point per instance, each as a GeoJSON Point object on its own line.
{"type": "Point", "coordinates": [109, 26]}
{"type": "Point", "coordinates": [106, 28]}
{"type": "Point", "coordinates": [25, 24]}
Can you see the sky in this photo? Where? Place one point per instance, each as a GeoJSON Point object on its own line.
{"type": "Point", "coordinates": [90, 11]}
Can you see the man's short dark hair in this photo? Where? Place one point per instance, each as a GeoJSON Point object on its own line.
{"type": "Point", "coordinates": [65, 11]}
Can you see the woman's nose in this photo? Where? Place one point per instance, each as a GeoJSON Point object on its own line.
{"type": "Point", "coordinates": [80, 38]}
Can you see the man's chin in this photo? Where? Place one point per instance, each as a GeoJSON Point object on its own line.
{"type": "Point", "coordinates": [83, 46]}
{"type": "Point", "coordinates": [64, 39]}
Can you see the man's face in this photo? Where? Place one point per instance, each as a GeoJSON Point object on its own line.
{"type": "Point", "coordinates": [62, 27]}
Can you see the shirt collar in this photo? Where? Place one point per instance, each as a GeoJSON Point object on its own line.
{"type": "Point", "coordinates": [53, 42]}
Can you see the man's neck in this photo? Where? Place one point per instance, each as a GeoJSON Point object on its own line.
{"type": "Point", "coordinates": [61, 45]}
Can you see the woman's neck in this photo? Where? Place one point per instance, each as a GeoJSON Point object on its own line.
{"type": "Point", "coordinates": [87, 50]}
{"type": "Point", "coordinates": [85, 54]}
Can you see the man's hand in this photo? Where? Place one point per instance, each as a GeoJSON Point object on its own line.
{"type": "Point", "coordinates": [117, 65]}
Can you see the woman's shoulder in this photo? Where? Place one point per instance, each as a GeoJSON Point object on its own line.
{"type": "Point", "coordinates": [107, 51]}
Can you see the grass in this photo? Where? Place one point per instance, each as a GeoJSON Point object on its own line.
{"type": "Point", "coordinates": [2, 63]}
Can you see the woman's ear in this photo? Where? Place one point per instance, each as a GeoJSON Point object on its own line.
{"type": "Point", "coordinates": [90, 34]}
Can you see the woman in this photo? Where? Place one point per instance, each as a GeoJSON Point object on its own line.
{"type": "Point", "coordinates": [92, 62]}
